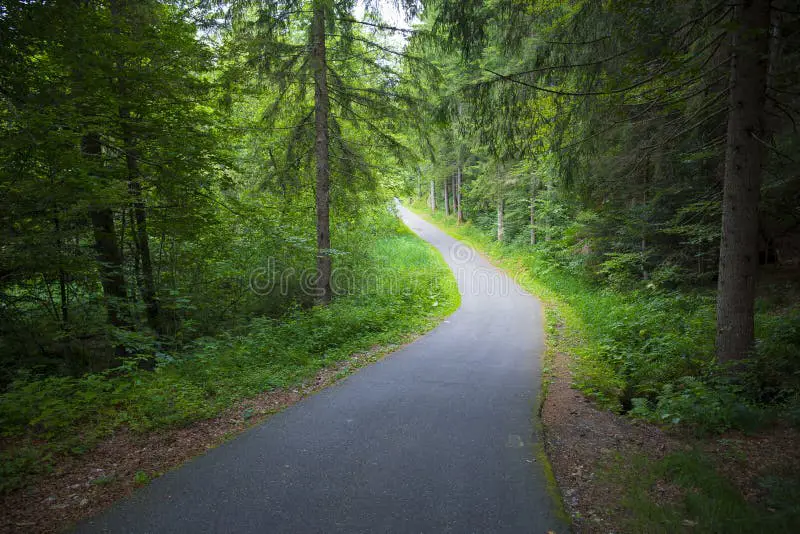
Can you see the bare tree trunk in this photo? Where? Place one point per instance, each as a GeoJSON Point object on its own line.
{"type": "Point", "coordinates": [446, 199]}
{"type": "Point", "coordinates": [501, 203]}
{"type": "Point", "coordinates": [139, 226]}
{"type": "Point", "coordinates": [547, 227]}
{"type": "Point", "coordinates": [533, 209]}
{"type": "Point", "coordinates": [459, 211]}
{"type": "Point", "coordinates": [432, 197]}
{"type": "Point", "coordinates": [643, 247]}
{"type": "Point", "coordinates": [453, 193]}
{"type": "Point", "coordinates": [62, 286]}
{"type": "Point", "coordinates": [62, 276]}
{"type": "Point", "coordinates": [321, 148]}
{"type": "Point", "coordinates": [134, 292]}
{"type": "Point", "coordinates": [744, 159]}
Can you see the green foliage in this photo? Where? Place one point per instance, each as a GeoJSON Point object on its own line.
{"type": "Point", "coordinates": [413, 288]}
{"type": "Point", "coordinates": [649, 351]}
{"type": "Point", "coordinates": [710, 406]}
{"type": "Point", "coordinates": [707, 502]}
{"type": "Point", "coordinates": [141, 478]}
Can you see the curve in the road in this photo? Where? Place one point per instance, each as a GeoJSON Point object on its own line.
{"type": "Point", "coordinates": [437, 437]}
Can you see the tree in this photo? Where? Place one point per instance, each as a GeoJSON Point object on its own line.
{"type": "Point", "coordinates": [296, 41]}
{"type": "Point", "coordinates": [744, 161]}
{"type": "Point", "coordinates": [632, 100]}
{"type": "Point", "coordinates": [103, 101]}
{"type": "Point", "coordinates": [321, 126]}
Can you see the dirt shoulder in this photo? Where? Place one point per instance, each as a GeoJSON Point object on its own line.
{"type": "Point", "coordinates": [85, 485]}
{"type": "Point", "coordinates": [581, 440]}
{"type": "Point", "coordinates": [609, 467]}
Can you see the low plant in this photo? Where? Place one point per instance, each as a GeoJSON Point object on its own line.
{"type": "Point", "coordinates": [51, 416]}
{"type": "Point", "coordinates": [648, 349]}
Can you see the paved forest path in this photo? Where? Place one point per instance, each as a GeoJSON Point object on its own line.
{"type": "Point", "coordinates": [437, 437]}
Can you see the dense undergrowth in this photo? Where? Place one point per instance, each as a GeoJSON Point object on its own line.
{"type": "Point", "coordinates": [399, 286]}
{"type": "Point", "coordinates": [648, 350]}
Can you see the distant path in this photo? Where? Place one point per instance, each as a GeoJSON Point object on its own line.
{"type": "Point", "coordinates": [437, 437]}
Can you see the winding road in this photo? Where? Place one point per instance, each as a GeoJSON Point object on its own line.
{"type": "Point", "coordinates": [437, 437]}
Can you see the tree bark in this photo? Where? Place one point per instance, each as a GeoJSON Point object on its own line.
{"type": "Point", "coordinates": [321, 149]}
{"type": "Point", "coordinates": [141, 238]}
{"type": "Point", "coordinates": [744, 160]}
{"type": "Point", "coordinates": [148, 286]}
{"type": "Point", "coordinates": [62, 275]}
{"type": "Point", "coordinates": [109, 256]}
{"type": "Point", "coordinates": [533, 209]}
{"type": "Point", "coordinates": [62, 287]}
{"type": "Point", "coordinates": [446, 199]}
{"type": "Point", "coordinates": [432, 197]}
{"type": "Point", "coordinates": [501, 203]}
{"type": "Point", "coordinates": [459, 211]}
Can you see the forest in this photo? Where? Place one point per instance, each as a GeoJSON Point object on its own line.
{"type": "Point", "coordinates": [198, 199]}
{"type": "Point", "coordinates": [640, 157]}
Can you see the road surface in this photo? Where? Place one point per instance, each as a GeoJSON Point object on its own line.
{"type": "Point", "coordinates": [437, 437]}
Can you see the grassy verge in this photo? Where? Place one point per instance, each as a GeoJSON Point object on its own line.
{"type": "Point", "coordinates": [565, 326]}
{"type": "Point", "coordinates": [695, 498]}
{"type": "Point", "coordinates": [648, 351]}
{"type": "Point", "coordinates": [636, 347]}
{"type": "Point", "coordinates": [408, 289]}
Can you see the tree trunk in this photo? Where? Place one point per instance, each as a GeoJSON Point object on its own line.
{"type": "Point", "coordinates": [432, 197]}
{"type": "Point", "coordinates": [501, 203]}
{"type": "Point", "coordinates": [141, 237]}
{"type": "Point", "coordinates": [109, 256]}
{"type": "Point", "coordinates": [453, 193]}
{"type": "Point", "coordinates": [321, 148]}
{"type": "Point", "coordinates": [643, 244]}
{"type": "Point", "coordinates": [62, 287]}
{"type": "Point", "coordinates": [148, 286]}
{"type": "Point", "coordinates": [62, 275]}
{"type": "Point", "coordinates": [459, 212]}
{"type": "Point", "coordinates": [744, 159]}
{"type": "Point", "coordinates": [547, 230]}
{"type": "Point", "coordinates": [446, 199]}
{"type": "Point", "coordinates": [533, 209]}
{"type": "Point", "coordinates": [144, 276]}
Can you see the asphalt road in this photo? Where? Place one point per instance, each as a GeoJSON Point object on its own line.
{"type": "Point", "coordinates": [437, 437]}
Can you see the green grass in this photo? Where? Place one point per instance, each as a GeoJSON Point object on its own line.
{"type": "Point", "coordinates": [630, 345]}
{"type": "Point", "coordinates": [702, 501]}
{"type": "Point", "coordinates": [648, 351]}
{"type": "Point", "coordinates": [567, 326]}
{"type": "Point", "coordinates": [403, 287]}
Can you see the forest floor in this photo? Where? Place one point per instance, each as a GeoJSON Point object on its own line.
{"type": "Point", "coordinates": [618, 474]}
{"type": "Point", "coordinates": [83, 486]}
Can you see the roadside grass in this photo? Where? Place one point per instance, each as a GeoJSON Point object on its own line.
{"type": "Point", "coordinates": [567, 327]}
{"type": "Point", "coordinates": [627, 350]}
{"type": "Point", "coordinates": [649, 351]}
{"type": "Point", "coordinates": [408, 290]}
{"type": "Point", "coordinates": [701, 500]}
